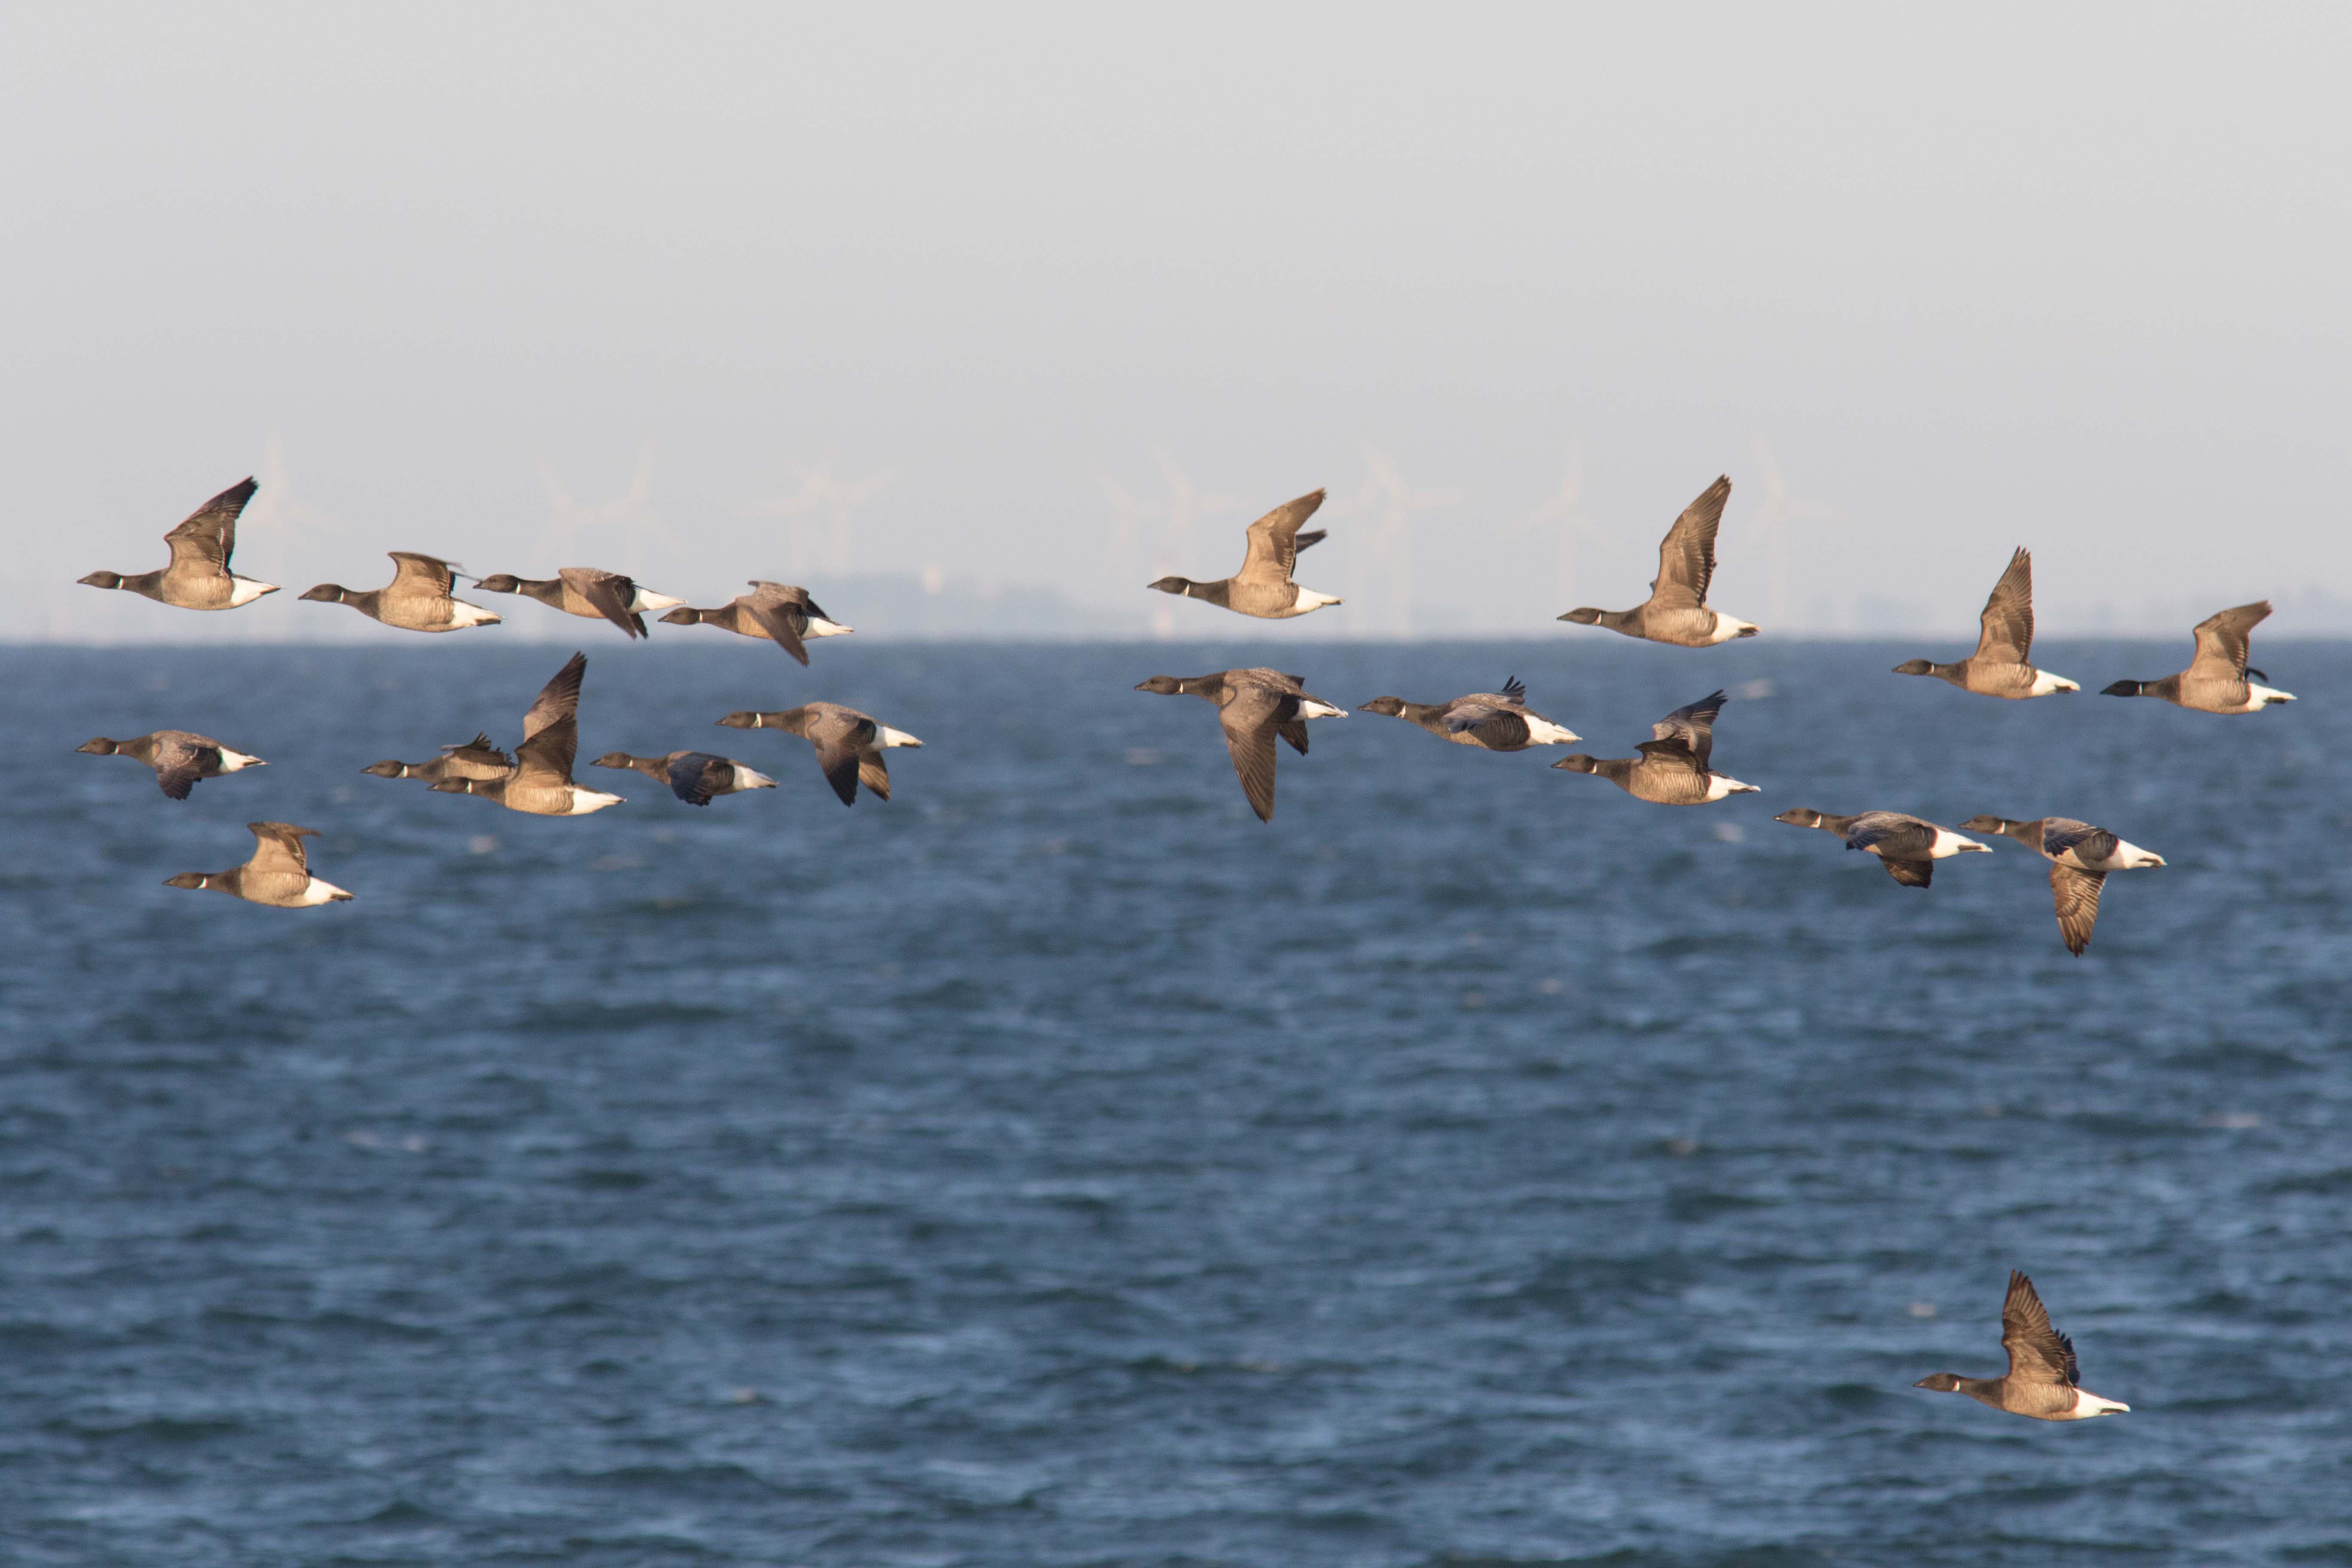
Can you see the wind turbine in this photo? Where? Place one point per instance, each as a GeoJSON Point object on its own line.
{"type": "Point", "coordinates": [1387, 504]}
{"type": "Point", "coordinates": [1165, 532]}
{"type": "Point", "coordinates": [629, 514]}
{"type": "Point", "coordinates": [279, 519]}
{"type": "Point", "coordinates": [817, 516]}
{"type": "Point", "coordinates": [1771, 532]}
{"type": "Point", "coordinates": [1578, 527]}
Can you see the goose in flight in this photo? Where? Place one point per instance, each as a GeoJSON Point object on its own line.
{"type": "Point", "coordinates": [179, 757]}
{"type": "Point", "coordinates": [1676, 611]}
{"type": "Point", "coordinates": [2215, 681]}
{"type": "Point", "coordinates": [695, 777]}
{"type": "Point", "coordinates": [783, 614]}
{"type": "Point", "coordinates": [849, 744]}
{"type": "Point", "coordinates": [198, 577]}
{"type": "Point", "coordinates": [1673, 767]}
{"type": "Point", "coordinates": [2044, 1380]}
{"type": "Point", "coordinates": [1909, 847]}
{"type": "Point", "coordinates": [1494, 722]}
{"type": "Point", "coordinates": [2080, 858]}
{"type": "Point", "coordinates": [1254, 706]}
{"type": "Point", "coordinates": [587, 592]}
{"type": "Point", "coordinates": [541, 781]}
{"type": "Point", "coordinates": [279, 875]}
{"type": "Point", "coordinates": [477, 759]}
{"type": "Point", "coordinates": [418, 599]}
{"type": "Point", "coordinates": [2002, 665]}
{"type": "Point", "coordinates": [1263, 586]}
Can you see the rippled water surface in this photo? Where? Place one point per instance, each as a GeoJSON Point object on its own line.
{"type": "Point", "coordinates": [1053, 1166]}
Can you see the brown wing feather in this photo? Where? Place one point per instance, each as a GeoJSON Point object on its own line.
{"type": "Point", "coordinates": [2077, 894]}
{"type": "Point", "coordinates": [547, 757]}
{"type": "Point", "coordinates": [1294, 731]}
{"type": "Point", "coordinates": [278, 847]}
{"type": "Point", "coordinates": [873, 774]}
{"type": "Point", "coordinates": [559, 698]}
{"type": "Point", "coordinates": [421, 571]}
{"type": "Point", "coordinates": [1910, 873]}
{"type": "Point", "coordinates": [840, 739]}
{"type": "Point", "coordinates": [1274, 541]}
{"type": "Point", "coordinates": [2226, 639]}
{"type": "Point", "coordinates": [209, 532]}
{"type": "Point", "coordinates": [1687, 555]}
{"type": "Point", "coordinates": [774, 614]}
{"type": "Point", "coordinates": [2037, 1352]}
{"type": "Point", "coordinates": [1249, 721]}
{"type": "Point", "coordinates": [608, 593]}
{"type": "Point", "coordinates": [2008, 618]}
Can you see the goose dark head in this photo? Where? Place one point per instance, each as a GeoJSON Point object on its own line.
{"type": "Point", "coordinates": [1391, 705]}
{"type": "Point", "coordinates": [102, 747]}
{"type": "Point", "coordinates": [2120, 689]}
{"type": "Point", "coordinates": [684, 616]}
{"type": "Point", "coordinates": [742, 719]}
{"type": "Point", "coordinates": [615, 759]}
{"type": "Point", "coordinates": [1799, 816]}
{"type": "Point", "coordinates": [387, 769]}
{"type": "Point", "coordinates": [1987, 823]}
{"type": "Point", "coordinates": [500, 583]}
{"type": "Point", "coordinates": [1914, 666]}
{"type": "Point", "coordinates": [328, 593]}
{"type": "Point", "coordinates": [102, 579]}
{"type": "Point", "coordinates": [451, 786]}
{"type": "Point", "coordinates": [1585, 616]}
{"type": "Point", "coordinates": [189, 879]}
{"type": "Point", "coordinates": [1176, 585]}
{"type": "Point", "coordinates": [1163, 685]}
{"type": "Point", "coordinates": [1578, 762]}
{"type": "Point", "coordinates": [1941, 1381]}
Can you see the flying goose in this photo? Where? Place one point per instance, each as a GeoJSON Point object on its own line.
{"type": "Point", "coordinates": [279, 874]}
{"type": "Point", "coordinates": [587, 592]}
{"type": "Point", "coordinates": [778, 611]}
{"type": "Point", "coordinates": [1263, 586]}
{"type": "Point", "coordinates": [2215, 681]}
{"type": "Point", "coordinates": [1495, 722]}
{"type": "Point", "coordinates": [2002, 664]}
{"type": "Point", "coordinates": [1254, 706]}
{"type": "Point", "coordinates": [418, 599]}
{"type": "Point", "coordinates": [1676, 611]}
{"type": "Point", "coordinates": [541, 781]}
{"type": "Point", "coordinates": [179, 757]}
{"type": "Point", "coordinates": [2080, 858]}
{"type": "Point", "coordinates": [693, 776]}
{"type": "Point", "coordinates": [849, 744]}
{"type": "Point", "coordinates": [1908, 846]}
{"type": "Point", "coordinates": [477, 759]}
{"type": "Point", "coordinates": [2043, 1380]}
{"type": "Point", "coordinates": [198, 577]}
{"type": "Point", "coordinates": [1671, 769]}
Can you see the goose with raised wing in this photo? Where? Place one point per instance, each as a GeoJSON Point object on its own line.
{"type": "Point", "coordinates": [2080, 858]}
{"type": "Point", "coordinates": [1263, 586]}
{"type": "Point", "coordinates": [589, 591]}
{"type": "Point", "coordinates": [179, 757]}
{"type": "Point", "coordinates": [1491, 721]}
{"type": "Point", "coordinates": [695, 777]}
{"type": "Point", "coordinates": [420, 597]}
{"type": "Point", "coordinates": [198, 577]}
{"type": "Point", "coordinates": [781, 612]}
{"type": "Point", "coordinates": [542, 783]}
{"type": "Point", "coordinates": [1677, 611]}
{"type": "Point", "coordinates": [2044, 1380]}
{"type": "Point", "coordinates": [1254, 706]}
{"type": "Point", "coordinates": [2215, 681]}
{"type": "Point", "coordinates": [1908, 846]}
{"type": "Point", "coordinates": [2002, 665]}
{"type": "Point", "coordinates": [1673, 767]}
{"type": "Point", "coordinates": [477, 759]}
{"type": "Point", "coordinates": [279, 874]}
{"type": "Point", "coordinates": [849, 744]}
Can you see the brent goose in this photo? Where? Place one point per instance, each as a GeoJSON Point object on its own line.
{"type": "Point", "coordinates": [849, 744]}
{"type": "Point", "coordinates": [1254, 706]}
{"type": "Point", "coordinates": [179, 757]}
{"type": "Point", "coordinates": [587, 592]}
{"type": "Point", "coordinates": [198, 577]}
{"type": "Point", "coordinates": [1263, 586]}
{"type": "Point", "coordinates": [1671, 769]}
{"type": "Point", "coordinates": [2080, 858]}
{"type": "Point", "coordinates": [541, 781]}
{"type": "Point", "coordinates": [2215, 681]}
{"type": "Point", "coordinates": [783, 614]}
{"type": "Point", "coordinates": [279, 874]}
{"type": "Point", "coordinates": [477, 759]}
{"type": "Point", "coordinates": [1495, 722]}
{"type": "Point", "coordinates": [2044, 1380]}
{"type": "Point", "coordinates": [1676, 611]}
{"type": "Point", "coordinates": [693, 776]}
{"type": "Point", "coordinates": [2002, 664]}
{"type": "Point", "coordinates": [418, 599]}
{"type": "Point", "coordinates": [1909, 847]}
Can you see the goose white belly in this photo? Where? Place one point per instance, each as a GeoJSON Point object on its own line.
{"type": "Point", "coordinates": [463, 614]}
{"type": "Point", "coordinates": [820, 627]}
{"type": "Point", "coordinates": [244, 590]}
{"type": "Point", "coordinates": [1948, 844]}
{"type": "Point", "coordinates": [886, 736]}
{"type": "Point", "coordinates": [2044, 683]}
{"type": "Point", "coordinates": [1727, 627]}
{"type": "Point", "coordinates": [1544, 732]}
{"type": "Point", "coordinates": [2260, 697]}
{"type": "Point", "coordinates": [1721, 787]}
{"type": "Point", "coordinates": [230, 761]}
{"type": "Point", "coordinates": [319, 891]}
{"type": "Point", "coordinates": [2088, 1405]}
{"type": "Point", "coordinates": [646, 601]}
{"type": "Point", "coordinates": [1308, 599]}
{"type": "Point", "coordinates": [584, 801]}
{"type": "Point", "coordinates": [1308, 708]}
{"type": "Point", "coordinates": [747, 779]}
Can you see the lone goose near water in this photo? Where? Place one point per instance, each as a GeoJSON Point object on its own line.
{"type": "Point", "coordinates": [1676, 612]}
{"type": "Point", "coordinates": [419, 598]}
{"type": "Point", "coordinates": [849, 744]}
{"type": "Point", "coordinates": [179, 757]}
{"type": "Point", "coordinates": [477, 759]}
{"type": "Point", "coordinates": [1908, 846]}
{"type": "Point", "coordinates": [2044, 1380]}
{"type": "Point", "coordinates": [1673, 767]}
{"type": "Point", "coordinates": [695, 777]}
{"type": "Point", "coordinates": [2080, 858]}
{"type": "Point", "coordinates": [1253, 706]}
{"type": "Point", "coordinates": [2215, 681]}
{"type": "Point", "coordinates": [587, 592]}
{"type": "Point", "coordinates": [542, 783]}
{"type": "Point", "coordinates": [783, 614]}
{"type": "Point", "coordinates": [2002, 664]}
{"type": "Point", "coordinates": [1495, 722]}
{"type": "Point", "coordinates": [1263, 586]}
{"type": "Point", "coordinates": [198, 577]}
{"type": "Point", "coordinates": [279, 875]}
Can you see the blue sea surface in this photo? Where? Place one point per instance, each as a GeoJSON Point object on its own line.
{"type": "Point", "coordinates": [1055, 1166]}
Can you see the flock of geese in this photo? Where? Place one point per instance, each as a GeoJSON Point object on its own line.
{"type": "Point", "coordinates": [1255, 707]}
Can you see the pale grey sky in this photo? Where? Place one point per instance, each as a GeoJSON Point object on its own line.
{"type": "Point", "coordinates": [2071, 277]}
